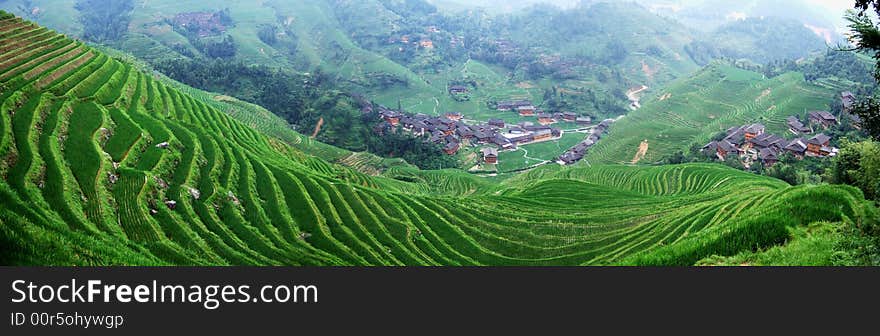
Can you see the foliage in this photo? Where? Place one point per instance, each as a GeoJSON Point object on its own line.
{"type": "Point", "coordinates": [859, 165]}
{"type": "Point", "coordinates": [104, 20]}
{"type": "Point", "coordinates": [760, 40]}
{"type": "Point", "coordinates": [415, 150]}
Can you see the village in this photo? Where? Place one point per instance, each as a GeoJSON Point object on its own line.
{"type": "Point", "coordinates": [453, 133]}
{"type": "Point", "coordinates": [751, 143]}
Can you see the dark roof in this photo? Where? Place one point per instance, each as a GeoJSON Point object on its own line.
{"type": "Point", "coordinates": [755, 128]}
{"type": "Point", "coordinates": [482, 134]}
{"type": "Point", "coordinates": [797, 145]}
{"type": "Point", "coordinates": [535, 128]}
{"type": "Point", "coordinates": [767, 140]}
{"type": "Point", "coordinates": [738, 137]}
{"type": "Point", "coordinates": [822, 115]}
{"type": "Point", "coordinates": [727, 146]}
{"type": "Point", "coordinates": [496, 122]}
{"type": "Point", "coordinates": [819, 140]}
{"type": "Point", "coordinates": [767, 154]}
{"type": "Point", "coordinates": [712, 146]}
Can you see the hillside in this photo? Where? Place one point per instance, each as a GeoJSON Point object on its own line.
{"type": "Point", "coordinates": [103, 164]}
{"type": "Point", "coordinates": [361, 44]}
{"type": "Point", "coordinates": [693, 110]}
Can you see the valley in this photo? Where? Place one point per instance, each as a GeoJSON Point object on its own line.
{"type": "Point", "coordinates": [562, 143]}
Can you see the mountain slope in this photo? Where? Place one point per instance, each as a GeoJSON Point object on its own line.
{"type": "Point", "coordinates": [103, 164]}
{"type": "Point", "coordinates": [693, 110]}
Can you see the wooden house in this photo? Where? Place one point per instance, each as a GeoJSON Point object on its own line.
{"type": "Point", "coordinates": [753, 131]}
{"type": "Point", "coordinates": [823, 119]}
{"type": "Point", "coordinates": [768, 156]}
{"type": "Point", "coordinates": [458, 89]}
{"type": "Point", "coordinates": [546, 119]}
{"type": "Point", "coordinates": [490, 155]}
{"type": "Point", "coordinates": [451, 148]}
{"type": "Point", "coordinates": [797, 147]}
{"type": "Point", "coordinates": [848, 100]}
{"type": "Point", "coordinates": [816, 144]}
{"type": "Point", "coordinates": [497, 123]}
{"type": "Point", "coordinates": [526, 111]}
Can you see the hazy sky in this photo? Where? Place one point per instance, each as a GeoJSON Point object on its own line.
{"type": "Point", "coordinates": [834, 6]}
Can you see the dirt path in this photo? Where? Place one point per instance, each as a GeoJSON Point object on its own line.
{"type": "Point", "coordinates": [633, 96]}
{"type": "Point", "coordinates": [318, 127]}
{"type": "Point", "coordinates": [764, 95]}
{"type": "Point", "coordinates": [648, 71]}
{"type": "Point", "coordinates": [643, 149]}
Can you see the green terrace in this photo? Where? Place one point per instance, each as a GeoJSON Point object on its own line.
{"type": "Point", "coordinates": [104, 164]}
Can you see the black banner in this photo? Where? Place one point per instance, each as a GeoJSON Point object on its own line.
{"type": "Point", "coordinates": [222, 301]}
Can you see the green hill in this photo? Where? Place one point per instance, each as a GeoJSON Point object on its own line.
{"type": "Point", "coordinates": [358, 42]}
{"type": "Point", "coordinates": [693, 110]}
{"type": "Point", "coordinates": [103, 164]}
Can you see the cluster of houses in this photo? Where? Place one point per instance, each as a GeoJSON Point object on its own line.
{"type": "Point", "coordinates": [451, 132]}
{"type": "Point", "coordinates": [577, 153]}
{"type": "Point", "coordinates": [203, 23]}
{"type": "Point", "coordinates": [751, 143]}
{"type": "Point", "coordinates": [525, 108]}
{"type": "Point", "coordinates": [423, 40]}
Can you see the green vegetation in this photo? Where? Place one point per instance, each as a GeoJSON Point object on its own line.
{"type": "Point", "coordinates": [759, 40]}
{"type": "Point", "coordinates": [166, 175]}
{"type": "Point", "coordinates": [692, 111]}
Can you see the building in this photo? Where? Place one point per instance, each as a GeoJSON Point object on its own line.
{"type": "Point", "coordinates": [543, 134]}
{"type": "Point", "coordinates": [797, 147]}
{"type": "Point", "coordinates": [584, 121]}
{"type": "Point", "coordinates": [848, 100]}
{"type": "Point", "coordinates": [818, 145]}
{"type": "Point", "coordinates": [451, 148]}
{"type": "Point", "coordinates": [526, 111]}
{"type": "Point", "coordinates": [569, 116]}
{"type": "Point", "coordinates": [454, 116]}
{"type": "Point", "coordinates": [768, 141]}
{"type": "Point", "coordinates": [512, 105]}
{"type": "Point", "coordinates": [524, 139]}
{"type": "Point", "coordinates": [725, 148]}
{"type": "Point", "coordinates": [427, 44]}
{"type": "Point", "coordinates": [753, 131]}
{"type": "Point", "coordinates": [497, 123]}
{"type": "Point", "coordinates": [796, 127]}
{"type": "Point", "coordinates": [546, 119]}
{"type": "Point", "coordinates": [823, 118]}
{"type": "Point", "coordinates": [458, 89]}
{"type": "Point", "coordinates": [490, 155]}
{"type": "Point", "coordinates": [391, 117]}
{"type": "Point", "coordinates": [768, 156]}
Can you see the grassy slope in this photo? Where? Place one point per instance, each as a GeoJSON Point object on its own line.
{"type": "Point", "coordinates": [711, 101]}
{"type": "Point", "coordinates": [262, 202]}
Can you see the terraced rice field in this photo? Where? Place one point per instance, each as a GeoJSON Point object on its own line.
{"type": "Point", "coordinates": [697, 108]}
{"type": "Point", "coordinates": [105, 165]}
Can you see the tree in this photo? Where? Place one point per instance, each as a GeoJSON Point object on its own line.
{"type": "Point", "coordinates": [104, 20]}
{"type": "Point", "coordinates": [866, 37]}
{"type": "Point", "coordinates": [859, 165]}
